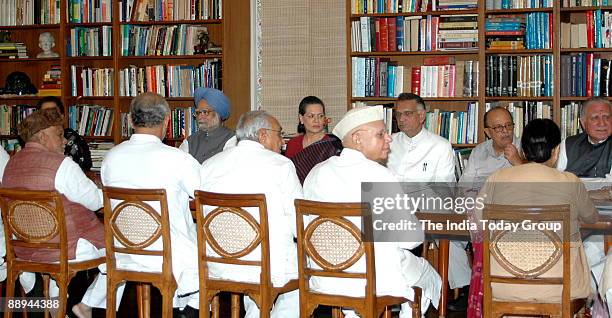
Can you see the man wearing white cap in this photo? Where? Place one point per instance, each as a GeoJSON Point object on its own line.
{"type": "Point", "coordinates": [212, 109]}
{"type": "Point", "coordinates": [339, 179]}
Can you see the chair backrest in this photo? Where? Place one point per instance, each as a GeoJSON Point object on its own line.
{"type": "Point", "coordinates": [34, 219]}
{"type": "Point", "coordinates": [136, 225]}
{"type": "Point", "coordinates": [332, 242]}
{"type": "Point", "coordinates": [529, 251]}
{"type": "Point", "coordinates": [231, 231]}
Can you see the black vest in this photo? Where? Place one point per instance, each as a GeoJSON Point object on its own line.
{"type": "Point", "coordinates": [586, 160]}
{"type": "Point", "coordinates": [205, 144]}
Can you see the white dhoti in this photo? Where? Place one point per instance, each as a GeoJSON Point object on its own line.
{"type": "Point", "coordinates": [459, 269]}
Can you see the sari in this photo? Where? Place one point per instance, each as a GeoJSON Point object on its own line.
{"type": "Point", "coordinates": [317, 152]}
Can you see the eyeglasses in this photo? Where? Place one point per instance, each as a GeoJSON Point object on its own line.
{"type": "Point", "coordinates": [500, 128]}
{"type": "Point", "coordinates": [205, 112]}
{"type": "Point", "coordinates": [399, 114]}
{"type": "Point", "coordinates": [315, 116]}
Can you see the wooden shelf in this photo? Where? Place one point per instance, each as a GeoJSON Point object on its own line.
{"type": "Point", "coordinates": [594, 50]}
{"type": "Point", "coordinates": [394, 53]}
{"type": "Point", "coordinates": [516, 11]}
{"type": "Point", "coordinates": [170, 99]}
{"type": "Point", "coordinates": [519, 98]}
{"type": "Point", "coordinates": [580, 98]}
{"type": "Point", "coordinates": [94, 58]}
{"type": "Point", "coordinates": [166, 57]}
{"type": "Point", "coordinates": [432, 99]}
{"type": "Point", "coordinates": [89, 24]}
{"type": "Point", "coordinates": [464, 145]}
{"type": "Point", "coordinates": [590, 8]}
{"type": "Point", "coordinates": [519, 52]}
{"type": "Point", "coordinates": [9, 136]}
{"type": "Point", "coordinates": [30, 26]}
{"type": "Point", "coordinates": [209, 21]}
{"type": "Point", "coordinates": [31, 60]}
{"type": "Point", "coordinates": [98, 138]}
{"type": "Point", "coordinates": [29, 97]}
{"type": "Point", "coordinates": [90, 97]}
{"type": "Point", "coordinates": [407, 14]}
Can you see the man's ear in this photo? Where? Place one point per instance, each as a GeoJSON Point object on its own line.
{"type": "Point", "coordinates": [262, 134]}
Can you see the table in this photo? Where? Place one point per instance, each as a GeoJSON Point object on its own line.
{"type": "Point", "coordinates": [604, 225]}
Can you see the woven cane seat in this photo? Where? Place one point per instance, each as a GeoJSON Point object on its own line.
{"type": "Point", "coordinates": [526, 253]}
{"type": "Point", "coordinates": [334, 244]}
{"type": "Point", "coordinates": [233, 232]}
{"type": "Point", "coordinates": [136, 225]}
{"type": "Point", "coordinates": [32, 221]}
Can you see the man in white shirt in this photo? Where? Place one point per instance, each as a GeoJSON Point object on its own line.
{"type": "Point", "coordinates": [144, 162]}
{"type": "Point", "coordinates": [500, 151]}
{"type": "Point", "coordinates": [339, 179]}
{"type": "Point", "coordinates": [256, 166]}
{"type": "Point", "coordinates": [418, 155]}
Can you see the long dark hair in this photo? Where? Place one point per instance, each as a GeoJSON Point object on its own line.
{"type": "Point", "coordinates": [540, 137]}
{"type": "Point", "coordinates": [308, 100]}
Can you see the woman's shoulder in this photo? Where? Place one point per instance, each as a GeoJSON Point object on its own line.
{"type": "Point", "coordinates": [294, 145]}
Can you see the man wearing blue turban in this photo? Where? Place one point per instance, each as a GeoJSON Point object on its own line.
{"type": "Point", "coordinates": [212, 108]}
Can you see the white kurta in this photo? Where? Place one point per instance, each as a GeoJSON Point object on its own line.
{"type": "Point", "coordinates": [144, 162]}
{"type": "Point", "coordinates": [250, 168]}
{"type": "Point", "coordinates": [425, 157]}
{"type": "Point", "coordinates": [338, 179]}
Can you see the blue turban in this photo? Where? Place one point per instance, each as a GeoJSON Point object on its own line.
{"type": "Point", "coordinates": [215, 99]}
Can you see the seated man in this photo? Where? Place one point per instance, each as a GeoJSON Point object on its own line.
{"type": "Point", "coordinates": [501, 151]}
{"type": "Point", "coordinates": [212, 109]}
{"type": "Point", "coordinates": [255, 165]}
{"type": "Point", "coordinates": [144, 162]}
{"type": "Point", "coordinates": [589, 154]}
{"type": "Point", "coordinates": [338, 179]}
{"type": "Point", "coordinates": [41, 165]}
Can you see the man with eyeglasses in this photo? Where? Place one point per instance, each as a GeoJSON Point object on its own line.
{"type": "Point", "coordinates": [500, 151]}
{"type": "Point", "coordinates": [212, 108]}
{"type": "Point", "coordinates": [255, 165]}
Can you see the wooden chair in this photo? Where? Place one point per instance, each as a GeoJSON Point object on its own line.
{"type": "Point", "coordinates": [335, 244]}
{"type": "Point", "coordinates": [526, 255]}
{"type": "Point", "coordinates": [218, 230]}
{"type": "Point", "coordinates": [135, 224]}
{"type": "Point", "coordinates": [35, 219]}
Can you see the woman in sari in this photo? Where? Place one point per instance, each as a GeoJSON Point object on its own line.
{"type": "Point", "coordinates": [536, 182]}
{"type": "Point", "coordinates": [313, 145]}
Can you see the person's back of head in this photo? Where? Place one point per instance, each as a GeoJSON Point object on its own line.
{"type": "Point", "coordinates": [149, 114]}
{"type": "Point", "coordinates": [540, 141]}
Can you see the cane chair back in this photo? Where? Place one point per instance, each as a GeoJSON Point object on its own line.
{"type": "Point", "coordinates": [131, 220]}
{"type": "Point", "coordinates": [35, 220]}
{"type": "Point", "coordinates": [232, 233]}
{"type": "Point", "coordinates": [526, 253]}
{"type": "Point", "coordinates": [335, 244]}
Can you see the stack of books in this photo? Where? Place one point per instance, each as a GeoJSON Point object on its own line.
{"type": "Point", "coordinates": [13, 50]}
{"type": "Point", "coordinates": [457, 32]}
{"type": "Point", "coordinates": [98, 152]}
{"type": "Point", "coordinates": [52, 82]}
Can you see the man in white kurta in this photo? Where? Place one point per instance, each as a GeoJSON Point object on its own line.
{"type": "Point", "coordinates": [144, 162]}
{"type": "Point", "coordinates": [255, 165]}
{"type": "Point", "coordinates": [339, 179]}
{"type": "Point", "coordinates": [418, 155]}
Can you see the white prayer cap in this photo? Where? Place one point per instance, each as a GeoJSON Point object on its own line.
{"type": "Point", "coordinates": [357, 117]}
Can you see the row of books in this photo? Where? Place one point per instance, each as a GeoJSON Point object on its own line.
{"type": "Point", "coordinates": [536, 28]}
{"type": "Point", "coordinates": [13, 50]}
{"type": "Point", "coordinates": [585, 3]}
{"type": "Point", "coordinates": [414, 33]}
{"type": "Point", "coordinates": [182, 124]}
{"type": "Point", "coordinates": [90, 120]}
{"type": "Point", "coordinates": [462, 156]}
{"type": "Point", "coordinates": [170, 10]}
{"type": "Point", "coordinates": [519, 75]}
{"type": "Point", "coordinates": [29, 12]}
{"type": "Point", "coordinates": [87, 81]}
{"type": "Point", "coordinates": [160, 40]}
{"type": "Point", "coordinates": [98, 151]}
{"type": "Point", "coordinates": [518, 4]}
{"type": "Point", "coordinates": [449, 80]}
{"type": "Point", "coordinates": [89, 11]}
{"type": "Point", "coordinates": [376, 77]}
{"type": "Point", "coordinates": [126, 127]}
{"type": "Point", "coordinates": [458, 127]}
{"type": "Point", "coordinates": [96, 41]}
{"type": "Point", "coordinates": [570, 123]}
{"type": "Point", "coordinates": [169, 80]}
{"type": "Point", "coordinates": [596, 32]}
{"type": "Point", "coordinates": [585, 74]}
{"type": "Point", "coordinates": [399, 6]}
{"type": "Point", "coordinates": [12, 115]}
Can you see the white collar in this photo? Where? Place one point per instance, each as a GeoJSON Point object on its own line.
{"type": "Point", "coordinates": [145, 138]}
{"type": "Point", "coordinates": [250, 143]}
{"type": "Point", "coordinates": [422, 135]}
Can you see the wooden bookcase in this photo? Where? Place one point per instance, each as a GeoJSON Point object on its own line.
{"type": "Point", "coordinates": [409, 59]}
{"type": "Point", "coordinates": [231, 33]}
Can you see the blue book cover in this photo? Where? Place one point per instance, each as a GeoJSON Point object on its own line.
{"type": "Point", "coordinates": [399, 33]}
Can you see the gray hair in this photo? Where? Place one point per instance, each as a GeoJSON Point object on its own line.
{"type": "Point", "coordinates": [250, 123]}
{"type": "Point", "coordinates": [148, 110]}
{"type": "Point", "coordinates": [591, 101]}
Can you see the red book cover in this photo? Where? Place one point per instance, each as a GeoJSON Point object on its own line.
{"type": "Point", "coordinates": [551, 31]}
{"type": "Point", "coordinates": [377, 29]}
{"type": "Point", "coordinates": [438, 60]}
{"type": "Point", "coordinates": [391, 30]}
{"type": "Point", "coordinates": [416, 80]}
{"type": "Point", "coordinates": [435, 25]}
{"type": "Point", "coordinates": [504, 32]}
{"type": "Point", "coordinates": [589, 74]}
{"type": "Point", "coordinates": [590, 29]}
{"type": "Point", "coordinates": [384, 35]}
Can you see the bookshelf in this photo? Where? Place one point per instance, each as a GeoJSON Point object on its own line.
{"type": "Point", "coordinates": [533, 43]}
{"type": "Point", "coordinates": [93, 36]}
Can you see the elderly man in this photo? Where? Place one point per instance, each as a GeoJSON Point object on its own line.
{"type": "Point", "coordinates": [144, 162]}
{"type": "Point", "coordinates": [41, 165]}
{"type": "Point", "coordinates": [418, 155]}
{"type": "Point", "coordinates": [589, 154]}
{"type": "Point", "coordinates": [339, 179]}
{"type": "Point", "coordinates": [212, 109]}
{"type": "Point", "coordinates": [501, 151]}
{"type": "Point", "coordinates": [256, 166]}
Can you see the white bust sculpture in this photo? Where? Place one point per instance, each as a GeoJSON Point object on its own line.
{"type": "Point", "coordinates": [46, 42]}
